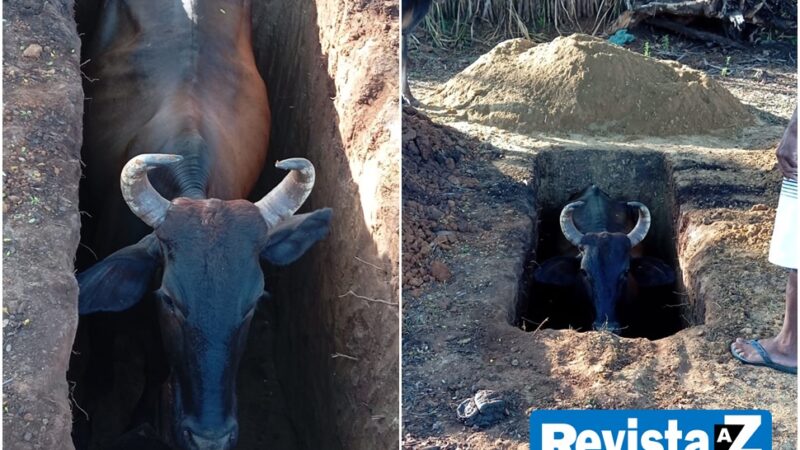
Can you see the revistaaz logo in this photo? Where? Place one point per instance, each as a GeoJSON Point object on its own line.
{"type": "Point", "coordinates": [651, 430]}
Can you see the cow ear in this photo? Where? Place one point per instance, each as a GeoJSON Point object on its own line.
{"type": "Point", "coordinates": [559, 271]}
{"type": "Point", "coordinates": [120, 280]}
{"type": "Point", "coordinates": [290, 239]}
{"type": "Point", "coordinates": [650, 272]}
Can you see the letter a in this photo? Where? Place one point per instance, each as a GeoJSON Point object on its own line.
{"type": "Point", "coordinates": [724, 436]}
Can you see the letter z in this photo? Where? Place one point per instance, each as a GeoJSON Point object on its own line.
{"type": "Point", "coordinates": [751, 425]}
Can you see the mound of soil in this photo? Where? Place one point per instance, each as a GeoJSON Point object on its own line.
{"type": "Point", "coordinates": [586, 85]}
{"type": "Point", "coordinates": [432, 189]}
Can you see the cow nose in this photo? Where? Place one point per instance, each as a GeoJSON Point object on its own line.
{"type": "Point", "coordinates": [222, 437]}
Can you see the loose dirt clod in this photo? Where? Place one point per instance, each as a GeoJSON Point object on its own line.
{"type": "Point", "coordinates": [33, 51]}
{"type": "Point", "coordinates": [584, 84]}
{"type": "Point", "coordinates": [440, 271]}
{"type": "Point", "coordinates": [432, 188]}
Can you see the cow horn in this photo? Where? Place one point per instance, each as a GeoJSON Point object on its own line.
{"type": "Point", "coordinates": [638, 232]}
{"type": "Point", "coordinates": [287, 197]}
{"type": "Point", "coordinates": [568, 226]}
{"type": "Point", "coordinates": [141, 197]}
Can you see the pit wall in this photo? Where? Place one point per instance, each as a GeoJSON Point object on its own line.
{"type": "Point", "coordinates": [43, 106]}
{"type": "Point", "coordinates": [643, 176]}
{"type": "Point", "coordinates": [331, 71]}
{"type": "Point", "coordinates": [696, 216]}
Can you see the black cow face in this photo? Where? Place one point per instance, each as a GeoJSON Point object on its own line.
{"type": "Point", "coordinates": [602, 270]}
{"type": "Point", "coordinates": [210, 252]}
{"type": "Point", "coordinates": [605, 259]}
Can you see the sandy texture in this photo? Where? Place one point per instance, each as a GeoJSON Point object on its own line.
{"type": "Point", "coordinates": [584, 84]}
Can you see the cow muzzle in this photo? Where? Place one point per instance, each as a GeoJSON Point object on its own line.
{"type": "Point", "coordinates": [198, 437]}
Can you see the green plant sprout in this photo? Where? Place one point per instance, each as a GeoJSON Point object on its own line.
{"type": "Point", "coordinates": [665, 42]}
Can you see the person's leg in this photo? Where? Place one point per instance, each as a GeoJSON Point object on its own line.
{"type": "Point", "coordinates": [782, 349]}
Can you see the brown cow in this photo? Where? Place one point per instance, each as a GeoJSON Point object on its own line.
{"type": "Point", "coordinates": [174, 88]}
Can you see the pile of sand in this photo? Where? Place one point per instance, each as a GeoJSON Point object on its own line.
{"type": "Point", "coordinates": [581, 84]}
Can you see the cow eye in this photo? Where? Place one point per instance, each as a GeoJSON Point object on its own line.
{"type": "Point", "coordinates": [167, 301]}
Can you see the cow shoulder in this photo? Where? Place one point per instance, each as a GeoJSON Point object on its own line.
{"type": "Point", "coordinates": [559, 271]}
{"type": "Point", "coordinates": [649, 272]}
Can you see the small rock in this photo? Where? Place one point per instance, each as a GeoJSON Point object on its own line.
{"type": "Point", "coordinates": [440, 271]}
{"type": "Point", "coordinates": [443, 237]}
{"type": "Point", "coordinates": [450, 164]}
{"type": "Point", "coordinates": [28, 417]}
{"type": "Point", "coordinates": [8, 347]}
{"type": "Point", "coordinates": [28, 436]}
{"type": "Point", "coordinates": [470, 182]}
{"type": "Point", "coordinates": [409, 134]}
{"type": "Point", "coordinates": [434, 213]}
{"type": "Point", "coordinates": [514, 362]}
{"type": "Point", "coordinates": [33, 51]}
{"type": "Point", "coordinates": [747, 331]}
{"type": "Point", "coordinates": [759, 207]}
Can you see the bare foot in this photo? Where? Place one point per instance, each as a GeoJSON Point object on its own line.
{"type": "Point", "coordinates": [780, 354]}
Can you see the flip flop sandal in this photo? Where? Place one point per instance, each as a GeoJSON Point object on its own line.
{"type": "Point", "coordinates": [484, 409]}
{"type": "Point", "coordinates": [767, 361]}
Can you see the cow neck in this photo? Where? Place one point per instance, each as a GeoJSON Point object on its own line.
{"type": "Point", "coordinates": [192, 179]}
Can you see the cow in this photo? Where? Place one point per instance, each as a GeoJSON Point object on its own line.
{"type": "Point", "coordinates": [413, 13]}
{"type": "Point", "coordinates": [609, 267]}
{"type": "Point", "coordinates": [176, 129]}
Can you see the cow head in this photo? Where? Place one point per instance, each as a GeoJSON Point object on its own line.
{"type": "Point", "coordinates": [603, 265]}
{"type": "Point", "coordinates": [209, 252]}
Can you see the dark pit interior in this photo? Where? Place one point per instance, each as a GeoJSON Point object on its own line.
{"type": "Point", "coordinates": [287, 378]}
{"type": "Point", "coordinates": [626, 176]}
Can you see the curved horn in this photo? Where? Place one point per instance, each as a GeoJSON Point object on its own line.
{"type": "Point", "coordinates": [287, 197]}
{"type": "Point", "coordinates": [638, 232]}
{"type": "Point", "coordinates": [568, 226]}
{"type": "Point", "coordinates": [141, 197]}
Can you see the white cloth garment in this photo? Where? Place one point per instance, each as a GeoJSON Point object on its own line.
{"type": "Point", "coordinates": [784, 249]}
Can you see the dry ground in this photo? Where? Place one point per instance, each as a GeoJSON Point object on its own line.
{"type": "Point", "coordinates": [456, 336]}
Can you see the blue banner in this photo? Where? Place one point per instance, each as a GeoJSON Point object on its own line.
{"type": "Point", "coordinates": [651, 430]}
